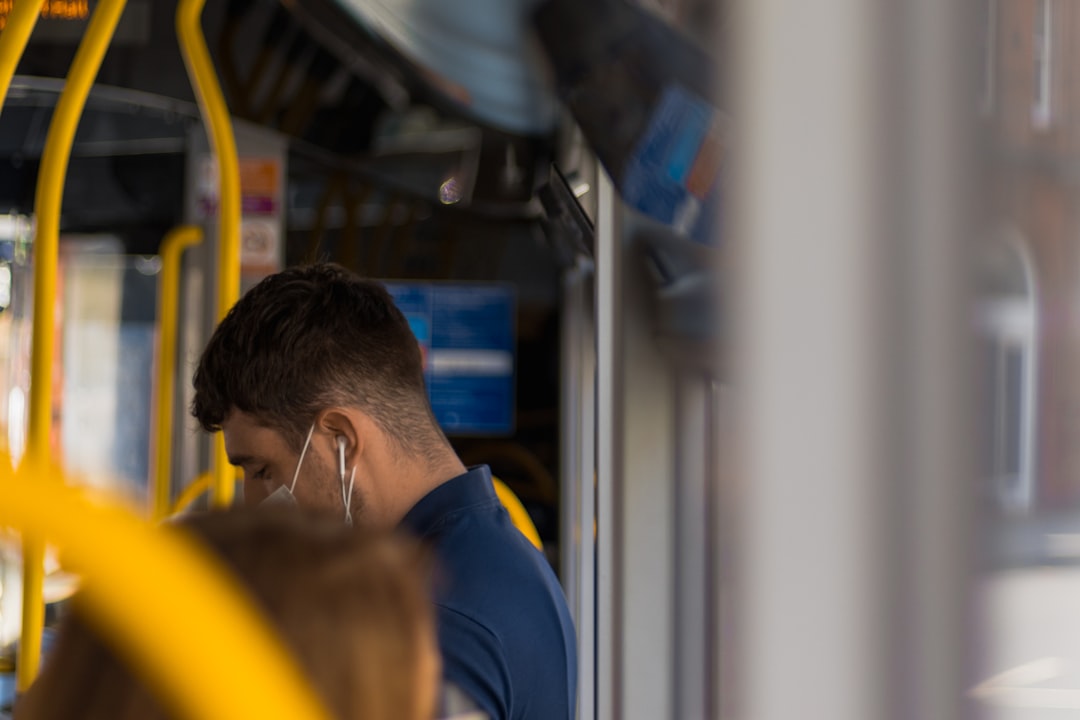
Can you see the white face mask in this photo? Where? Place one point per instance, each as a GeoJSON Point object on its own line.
{"type": "Point", "coordinates": [283, 496]}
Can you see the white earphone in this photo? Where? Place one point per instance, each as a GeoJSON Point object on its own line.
{"type": "Point", "coordinates": [341, 456]}
{"type": "Point", "coordinates": [346, 497]}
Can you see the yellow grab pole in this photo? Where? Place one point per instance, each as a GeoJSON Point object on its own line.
{"type": "Point", "coordinates": [33, 611]}
{"type": "Point", "coordinates": [215, 114]}
{"type": "Point", "coordinates": [13, 39]}
{"type": "Point", "coordinates": [175, 645]}
{"type": "Point", "coordinates": [519, 516]}
{"type": "Point", "coordinates": [191, 493]}
{"type": "Point", "coordinates": [50, 191]}
{"type": "Point", "coordinates": [172, 253]}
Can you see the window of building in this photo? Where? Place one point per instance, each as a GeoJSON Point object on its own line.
{"type": "Point", "coordinates": [988, 20]}
{"type": "Point", "coordinates": [1008, 342]}
{"type": "Point", "coordinates": [1041, 95]}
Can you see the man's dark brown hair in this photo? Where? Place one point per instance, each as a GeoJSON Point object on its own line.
{"type": "Point", "coordinates": [310, 338]}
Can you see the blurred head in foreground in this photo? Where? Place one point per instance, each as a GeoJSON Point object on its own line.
{"type": "Point", "coordinates": [352, 606]}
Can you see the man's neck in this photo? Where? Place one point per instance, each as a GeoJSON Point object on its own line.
{"type": "Point", "coordinates": [411, 480]}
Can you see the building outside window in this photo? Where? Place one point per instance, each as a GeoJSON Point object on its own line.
{"type": "Point", "coordinates": [1007, 341]}
{"type": "Point", "coordinates": [988, 19]}
{"type": "Point", "coordinates": [1043, 56]}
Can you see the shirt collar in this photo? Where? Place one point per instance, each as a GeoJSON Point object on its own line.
{"type": "Point", "coordinates": [470, 489]}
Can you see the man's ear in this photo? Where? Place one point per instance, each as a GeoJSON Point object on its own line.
{"type": "Point", "coordinates": [343, 425]}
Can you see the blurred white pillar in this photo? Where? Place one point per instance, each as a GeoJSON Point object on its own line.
{"type": "Point", "coordinates": [850, 220]}
{"type": "Point", "coordinates": [636, 464]}
{"type": "Point", "coordinates": [577, 428]}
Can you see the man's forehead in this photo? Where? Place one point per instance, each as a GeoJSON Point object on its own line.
{"type": "Point", "coordinates": [240, 420]}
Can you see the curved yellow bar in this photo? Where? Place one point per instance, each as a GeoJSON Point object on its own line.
{"type": "Point", "coordinates": [172, 253]}
{"type": "Point", "coordinates": [518, 514]}
{"type": "Point", "coordinates": [216, 114]}
{"type": "Point", "coordinates": [178, 647]}
{"type": "Point", "coordinates": [192, 492]}
{"type": "Point", "coordinates": [13, 39]}
{"type": "Point", "coordinates": [50, 191]}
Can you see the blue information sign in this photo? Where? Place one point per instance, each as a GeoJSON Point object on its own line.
{"type": "Point", "coordinates": [466, 335]}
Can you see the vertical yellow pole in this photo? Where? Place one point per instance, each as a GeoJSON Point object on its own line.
{"type": "Point", "coordinates": [13, 39]}
{"type": "Point", "coordinates": [216, 115]}
{"type": "Point", "coordinates": [172, 252]}
{"type": "Point", "coordinates": [50, 190]}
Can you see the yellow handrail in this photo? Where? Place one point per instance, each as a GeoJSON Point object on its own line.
{"type": "Point", "coordinates": [50, 190]}
{"type": "Point", "coordinates": [17, 31]}
{"type": "Point", "coordinates": [172, 252]}
{"type": "Point", "coordinates": [215, 114]}
{"type": "Point", "coordinates": [13, 41]}
{"type": "Point", "coordinates": [175, 645]}
{"type": "Point", "coordinates": [518, 514]}
{"type": "Point", "coordinates": [191, 493]}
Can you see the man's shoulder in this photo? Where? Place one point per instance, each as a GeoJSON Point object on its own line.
{"type": "Point", "coordinates": [482, 545]}
{"type": "Point", "coordinates": [494, 580]}
{"type": "Point", "coordinates": [509, 655]}
{"type": "Point", "coordinates": [483, 524]}
{"type": "Point", "coordinates": [503, 621]}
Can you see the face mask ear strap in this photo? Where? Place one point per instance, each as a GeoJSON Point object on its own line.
{"type": "Point", "coordinates": [300, 462]}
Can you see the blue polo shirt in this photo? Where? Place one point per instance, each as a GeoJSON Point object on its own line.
{"type": "Point", "coordinates": [504, 629]}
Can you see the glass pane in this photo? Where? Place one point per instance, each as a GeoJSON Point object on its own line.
{"type": "Point", "coordinates": [103, 384]}
{"type": "Point", "coordinates": [108, 337]}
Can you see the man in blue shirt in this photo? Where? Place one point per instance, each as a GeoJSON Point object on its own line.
{"type": "Point", "coordinates": [316, 382]}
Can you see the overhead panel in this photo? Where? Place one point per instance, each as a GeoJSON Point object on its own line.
{"type": "Point", "coordinates": [478, 53]}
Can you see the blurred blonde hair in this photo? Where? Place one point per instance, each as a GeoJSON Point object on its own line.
{"type": "Point", "coordinates": [353, 606]}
